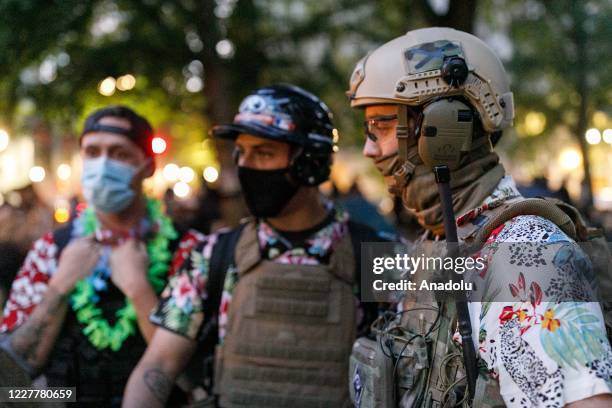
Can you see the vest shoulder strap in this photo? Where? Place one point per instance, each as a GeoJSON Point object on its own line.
{"type": "Point", "coordinates": [545, 208]}
{"type": "Point", "coordinates": [201, 368]}
{"type": "Point", "coordinates": [221, 258]}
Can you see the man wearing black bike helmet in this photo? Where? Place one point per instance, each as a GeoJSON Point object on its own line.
{"type": "Point", "coordinates": [276, 295]}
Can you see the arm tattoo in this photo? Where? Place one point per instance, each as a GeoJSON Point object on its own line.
{"type": "Point", "coordinates": [158, 383]}
{"type": "Point", "coordinates": [26, 340]}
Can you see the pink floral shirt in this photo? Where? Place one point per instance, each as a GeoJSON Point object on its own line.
{"type": "Point", "coordinates": [181, 308]}
{"type": "Point", "coordinates": [31, 281]}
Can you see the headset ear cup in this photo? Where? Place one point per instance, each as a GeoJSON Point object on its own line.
{"type": "Point", "coordinates": [446, 132]}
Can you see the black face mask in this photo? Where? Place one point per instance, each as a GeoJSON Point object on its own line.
{"type": "Point", "coordinates": [266, 192]}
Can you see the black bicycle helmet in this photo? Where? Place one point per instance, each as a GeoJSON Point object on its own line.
{"type": "Point", "coordinates": [289, 114]}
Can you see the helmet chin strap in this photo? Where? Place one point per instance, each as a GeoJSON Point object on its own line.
{"type": "Point", "coordinates": [402, 131]}
{"type": "Point", "coordinates": [407, 157]}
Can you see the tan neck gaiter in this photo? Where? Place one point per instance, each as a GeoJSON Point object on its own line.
{"type": "Point", "coordinates": [416, 185]}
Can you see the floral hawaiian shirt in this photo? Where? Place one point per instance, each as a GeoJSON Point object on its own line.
{"type": "Point", "coordinates": [31, 281]}
{"type": "Point", "coordinates": [181, 307]}
{"type": "Point", "coordinates": [543, 352]}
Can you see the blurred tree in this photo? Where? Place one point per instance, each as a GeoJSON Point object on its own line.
{"type": "Point", "coordinates": [203, 55]}
{"type": "Point", "coordinates": [561, 67]}
{"type": "Point", "coordinates": [192, 60]}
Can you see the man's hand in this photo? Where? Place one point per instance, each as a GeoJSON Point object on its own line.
{"type": "Point", "coordinates": [76, 262]}
{"type": "Point", "coordinates": [129, 262]}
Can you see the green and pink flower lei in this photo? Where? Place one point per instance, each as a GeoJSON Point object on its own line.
{"type": "Point", "coordinates": [84, 298]}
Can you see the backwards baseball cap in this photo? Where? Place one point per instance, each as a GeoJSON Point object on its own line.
{"type": "Point", "coordinates": [140, 131]}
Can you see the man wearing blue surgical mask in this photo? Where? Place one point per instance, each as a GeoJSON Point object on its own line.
{"type": "Point", "coordinates": [81, 318]}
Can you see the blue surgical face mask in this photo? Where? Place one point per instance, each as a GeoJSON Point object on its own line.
{"type": "Point", "coordinates": [107, 184]}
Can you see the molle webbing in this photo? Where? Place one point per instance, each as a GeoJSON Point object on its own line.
{"type": "Point", "coordinates": [289, 333]}
{"type": "Point", "coordinates": [291, 352]}
{"type": "Point", "coordinates": [311, 284]}
{"type": "Point", "coordinates": [278, 306]}
{"type": "Point", "coordinates": [281, 375]}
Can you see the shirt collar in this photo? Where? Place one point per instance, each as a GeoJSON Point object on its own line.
{"type": "Point", "coordinates": [317, 247]}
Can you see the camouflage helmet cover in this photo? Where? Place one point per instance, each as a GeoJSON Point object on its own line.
{"type": "Point", "coordinates": [410, 70]}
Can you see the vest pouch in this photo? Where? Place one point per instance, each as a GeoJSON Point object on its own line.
{"type": "Point", "coordinates": [289, 331]}
{"type": "Point", "coordinates": [370, 375]}
{"type": "Point", "coordinates": [487, 393]}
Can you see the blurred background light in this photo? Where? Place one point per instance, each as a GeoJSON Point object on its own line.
{"type": "Point", "coordinates": [607, 136]}
{"type": "Point", "coordinates": [535, 123]}
{"type": "Point", "coordinates": [225, 49]}
{"type": "Point", "coordinates": [593, 136]}
{"type": "Point", "coordinates": [4, 139]}
{"type": "Point", "coordinates": [159, 145]}
{"type": "Point", "coordinates": [126, 82]}
{"type": "Point", "coordinates": [210, 174]}
{"type": "Point", "coordinates": [194, 84]}
{"type": "Point", "coordinates": [64, 171]}
{"type": "Point", "coordinates": [107, 86]}
{"type": "Point", "coordinates": [570, 158]}
{"type": "Point", "coordinates": [37, 174]}
{"type": "Point", "coordinates": [181, 189]}
{"type": "Point", "coordinates": [61, 215]}
{"type": "Point", "coordinates": [600, 119]}
{"type": "Point", "coordinates": [171, 172]}
{"type": "Point", "coordinates": [186, 174]}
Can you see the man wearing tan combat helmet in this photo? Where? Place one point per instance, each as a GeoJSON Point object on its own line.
{"type": "Point", "coordinates": [441, 97]}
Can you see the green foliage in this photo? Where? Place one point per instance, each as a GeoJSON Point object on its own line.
{"type": "Point", "coordinates": [312, 44]}
{"type": "Point", "coordinates": [561, 57]}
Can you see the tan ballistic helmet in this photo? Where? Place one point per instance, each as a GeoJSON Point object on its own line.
{"type": "Point", "coordinates": [414, 69]}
